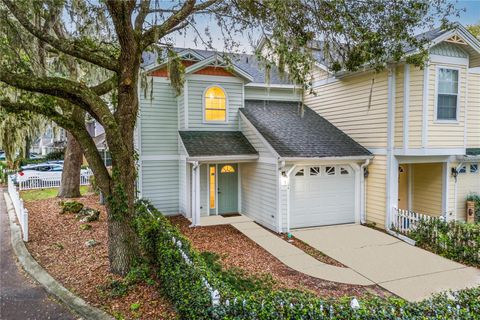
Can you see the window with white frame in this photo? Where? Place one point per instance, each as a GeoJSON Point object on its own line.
{"type": "Point", "coordinates": [215, 101]}
{"type": "Point", "coordinates": [463, 169]}
{"type": "Point", "coordinates": [330, 171]}
{"type": "Point", "coordinates": [447, 95]}
{"type": "Point", "coordinates": [314, 171]}
{"type": "Point", "coordinates": [300, 173]}
{"type": "Point", "coordinates": [474, 168]}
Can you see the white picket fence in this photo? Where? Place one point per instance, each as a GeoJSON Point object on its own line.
{"type": "Point", "coordinates": [21, 212]}
{"type": "Point", "coordinates": [50, 182]}
{"type": "Point", "coordinates": [404, 221]}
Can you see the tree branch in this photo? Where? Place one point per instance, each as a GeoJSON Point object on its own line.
{"type": "Point", "coordinates": [142, 14]}
{"type": "Point", "coordinates": [158, 31]}
{"type": "Point", "coordinates": [71, 91]}
{"type": "Point", "coordinates": [77, 129]}
{"type": "Point", "coordinates": [70, 47]}
{"type": "Point", "coordinates": [105, 86]}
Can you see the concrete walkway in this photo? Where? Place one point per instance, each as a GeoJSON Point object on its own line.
{"type": "Point", "coordinates": [296, 258]}
{"type": "Point", "coordinates": [409, 272]}
{"type": "Point", "coordinates": [20, 297]}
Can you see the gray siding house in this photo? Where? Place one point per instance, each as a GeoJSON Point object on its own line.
{"type": "Point", "coordinates": [230, 143]}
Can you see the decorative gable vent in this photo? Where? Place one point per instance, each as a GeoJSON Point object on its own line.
{"type": "Point", "coordinates": [190, 57]}
{"type": "Point", "coordinates": [218, 63]}
{"type": "Point", "coordinates": [456, 39]}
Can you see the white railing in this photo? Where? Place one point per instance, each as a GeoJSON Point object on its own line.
{"type": "Point", "coordinates": [21, 212]}
{"type": "Point", "coordinates": [50, 182]}
{"type": "Point", "coordinates": [404, 221]}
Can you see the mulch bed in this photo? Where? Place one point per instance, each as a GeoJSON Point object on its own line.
{"type": "Point", "coordinates": [238, 251]}
{"type": "Point", "coordinates": [58, 244]}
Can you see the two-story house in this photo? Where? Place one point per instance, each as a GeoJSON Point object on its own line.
{"type": "Point", "coordinates": [367, 142]}
{"type": "Point", "coordinates": [421, 124]}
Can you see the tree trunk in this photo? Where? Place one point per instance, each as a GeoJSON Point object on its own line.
{"type": "Point", "coordinates": [123, 242]}
{"type": "Point", "coordinates": [27, 147]}
{"type": "Point", "coordinates": [70, 186]}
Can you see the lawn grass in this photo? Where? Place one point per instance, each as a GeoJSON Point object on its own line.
{"type": "Point", "coordinates": [41, 194]}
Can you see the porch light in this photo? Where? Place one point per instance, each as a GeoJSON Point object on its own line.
{"type": "Point", "coordinates": [365, 173]}
{"type": "Point", "coordinates": [455, 173]}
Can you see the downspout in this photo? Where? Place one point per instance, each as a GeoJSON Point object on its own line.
{"type": "Point", "coordinates": [363, 193]}
{"type": "Point", "coordinates": [196, 195]}
{"type": "Point", "coordinates": [288, 173]}
{"type": "Point", "coordinates": [455, 190]}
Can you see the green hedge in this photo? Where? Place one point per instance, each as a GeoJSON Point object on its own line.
{"type": "Point", "coordinates": [184, 284]}
{"type": "Point", "coordinates": [455, 240]}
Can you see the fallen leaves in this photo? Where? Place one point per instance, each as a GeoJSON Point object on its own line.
{"type": "Point", "coordinates": [57, 242]}
{"type": "Point", "coordinates": [236, 250]}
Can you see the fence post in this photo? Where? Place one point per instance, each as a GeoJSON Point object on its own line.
{"type": "Point", "coordinates": [25, 224]}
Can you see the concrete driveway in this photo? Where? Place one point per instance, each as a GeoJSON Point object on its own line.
{"type": "Point", "coordinates": [407, 271]}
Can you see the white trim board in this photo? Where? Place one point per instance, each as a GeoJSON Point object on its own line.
{"type": "Point", "coordinates": [426, 78]}
{"type": "Point", "coordinates": [429, 151]}
{"type": "Point", "coordinates": [406, 104]}
{"type": "Point", "coordinates": [448, 60]}
{"type": "Point", "coordinates": [203, 77]}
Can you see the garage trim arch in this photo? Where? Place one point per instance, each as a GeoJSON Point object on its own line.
{"type": "Point", "coordinates": [287, 170]}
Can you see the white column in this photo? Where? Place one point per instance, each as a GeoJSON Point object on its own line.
{"type": "Point", "coordinates": [195, 198]}
{"type": "Point", "coordinates": [392, 163]}
{"type": "Point", "coordinates": [197, 195]}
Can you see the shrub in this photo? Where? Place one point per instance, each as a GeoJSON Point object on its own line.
{"type": "Point", "coordinates": [184, 284]}
{"type": "Point", "coordinates": [71, 206]}
{"type": "Point", "coordinates": [455, 240]}
{"type": "Point", "coordinates": [54, 155]}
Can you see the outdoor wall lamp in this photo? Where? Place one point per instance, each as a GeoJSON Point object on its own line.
{"type": "Point", "coordinates": [454, 173]}
{"type": "Point", "coordinates": [365, 172]}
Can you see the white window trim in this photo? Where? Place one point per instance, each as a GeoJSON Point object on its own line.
{"type": "Point", "coordinates": [435, 106]}
{"type": "Point", "coordinates": [227, 107]}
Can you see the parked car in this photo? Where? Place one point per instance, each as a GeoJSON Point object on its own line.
{"type": "Point", "coordinates": [39, 173]}
{"type": "Point", "coordinates": [2, 155]}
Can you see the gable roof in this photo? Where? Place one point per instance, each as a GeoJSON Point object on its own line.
{"type": "Point", "coordinates": [247, 63]}
{"type": "Point", "coordinates": [216, 143]}
{"type": "Point", "coordinates": [295, 136]}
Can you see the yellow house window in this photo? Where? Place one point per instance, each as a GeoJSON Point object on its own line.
{"type": "Point", "coordinates": [215, 105]}
{"type": "Point", "coordinates": [227, 169]}
{"type": "Point", "coordinates": [212, 187]}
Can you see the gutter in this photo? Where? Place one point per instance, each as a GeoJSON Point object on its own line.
{"type": "Point", "coordinates": [195, 208]}
{"type": "Point", "coordinates": [347, 158]}
{"type": "Point", "coordinates": [363, 193]}
{"type": "Point", "coordinates": [224, 158]}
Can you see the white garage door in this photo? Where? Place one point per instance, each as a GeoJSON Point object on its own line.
{"type": "Point", "coordinates": [322, 195]}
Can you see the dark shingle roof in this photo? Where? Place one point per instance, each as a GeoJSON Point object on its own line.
{"type": "Point", "coordinates": [294, 135]}
{"type": "Point", "coordinates": [216, 143]}
{"type": "Point", "coordinates": [247, 62]}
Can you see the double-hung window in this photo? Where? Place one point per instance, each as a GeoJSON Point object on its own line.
{"type": "Point", "coordinates": [447, 95]}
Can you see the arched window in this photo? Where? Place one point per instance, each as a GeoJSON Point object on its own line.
{"type": "Point", "coordinates": [227, 169]}
{"type": "Point", "coordinates": [215, 105]}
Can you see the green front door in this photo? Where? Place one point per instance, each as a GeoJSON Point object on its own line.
{"type": "Point", "coordinates": [227, 188]}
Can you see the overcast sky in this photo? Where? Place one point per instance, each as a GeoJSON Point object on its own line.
{"type": "Point", "coordinates": [470, 16]}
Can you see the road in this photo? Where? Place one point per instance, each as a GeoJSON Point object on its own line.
{"type": "Point", "coordinates": [20, 297]}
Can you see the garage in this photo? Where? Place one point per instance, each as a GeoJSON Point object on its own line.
{"type": "Point", "coordinates": [322, 195]}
